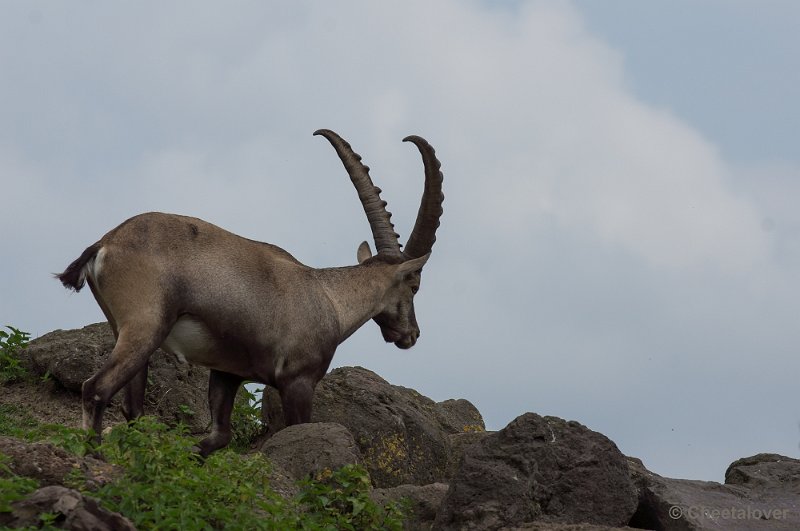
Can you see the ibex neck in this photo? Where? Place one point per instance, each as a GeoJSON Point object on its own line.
{"type": "Point", "coordinates": [356, 293]}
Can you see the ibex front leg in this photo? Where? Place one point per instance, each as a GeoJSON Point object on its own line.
{"type": "Point", "coordinates": [296, 399]}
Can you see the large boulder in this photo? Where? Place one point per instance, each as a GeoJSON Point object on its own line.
{"type": "Point", "coordinates": [309, 450]}
{"type": "Point", "coordinates": [71, 356]}
{"type": "Point", "coordinates": [766, 474]}
{"type": "Point", "coordinates": [176, 391]}
{"type": "Point", "coordinates": [402, 435]}
{"type": "Point", "coordinates": [539, 470]}
{"type": "Point", "coordinates": [760, 492]}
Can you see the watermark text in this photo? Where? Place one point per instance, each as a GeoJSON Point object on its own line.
{"type": "Point", "coordinates": [698, 512]}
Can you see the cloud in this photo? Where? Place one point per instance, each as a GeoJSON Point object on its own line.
{"type": "Point", "coordinates": [528, 105]}
{"type": "Point", "coordinates": [542, 117]}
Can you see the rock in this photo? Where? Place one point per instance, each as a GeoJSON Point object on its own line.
{"type": "Point", "coordinates": [761, 492]}
{"type": "Point", "coordinates": [73, 510]}
{"type": "Point", "coordinates": [638, 473]}
{"type": "Point", "coordinates": [423, 502]}
{"type": "Point", "coordinates": [402, 435]}
{"type": "Point", "coordinates": [538, 473]}
{"type": "Point", "coordinates": [766, 473]}
{"type": "Point", "coordinates": [459, 416]}
{"type": "Point", "coordinates": [282, 482]}
{"type": "Point", "coordinates": [306, 450]}
{"type": "Point", "coordinates": [50, 465]}
{"type": "Point", "coordinates": [458, 443]}
{"type": "Point", "coordinates": [539, 470]}
{"type": "Point", "coordinates": [176, 392]}
{"type": "Point", "coordinates": [71, 356]}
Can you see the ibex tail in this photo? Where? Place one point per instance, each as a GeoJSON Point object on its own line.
{"type": "Point", "coordinates": [75, 275]}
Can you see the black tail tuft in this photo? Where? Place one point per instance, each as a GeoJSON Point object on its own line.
{"type": "Point", "coordinates": [74, 277]}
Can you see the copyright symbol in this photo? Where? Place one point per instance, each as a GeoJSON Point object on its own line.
{"type": "Point", "coordinates": [675, 512]}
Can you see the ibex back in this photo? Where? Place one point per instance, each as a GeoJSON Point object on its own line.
{"type": "Point", "coordinates": [247, 310]}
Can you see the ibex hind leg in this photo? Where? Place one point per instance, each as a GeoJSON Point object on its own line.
{"type": "Point", "coordinates": [135, 343]}
{"type": "Point", "coordinates": [133, 399]}
{"type": "Point", "coordinates": [222, 388]}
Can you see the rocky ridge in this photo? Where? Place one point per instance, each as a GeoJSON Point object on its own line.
{"type": "Point", "coordinates": [538, 472]}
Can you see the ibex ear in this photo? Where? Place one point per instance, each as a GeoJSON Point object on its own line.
{"type": "Point", "coordinates": [411, 266]}
{"type": "Point", "coordinates": [363, 252]}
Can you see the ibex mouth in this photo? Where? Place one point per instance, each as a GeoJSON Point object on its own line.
{"type": "Point", "coordinates": [390, 335]}
{"type": "Point", "coordinates": [405, 343]}
{"type": "Point", "coordinates": [400, 339]}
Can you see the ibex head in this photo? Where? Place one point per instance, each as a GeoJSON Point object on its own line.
{"type": "Point", "coordinates": [396, 319]}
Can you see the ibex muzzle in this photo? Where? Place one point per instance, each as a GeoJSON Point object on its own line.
{"type": "Point", "coordinates": [247, 310]}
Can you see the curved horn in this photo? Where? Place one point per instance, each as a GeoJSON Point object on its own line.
{"type": "Point", "coordinates": [430, 209]}
{"type": "Point", "coordinates": [369, 194]}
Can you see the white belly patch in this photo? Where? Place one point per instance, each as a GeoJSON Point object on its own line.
{"type": "Point", "coordinates": [190, 340]}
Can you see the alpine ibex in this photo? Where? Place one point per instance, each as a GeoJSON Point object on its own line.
{"type": "Point", "coordinates": [247, 310]}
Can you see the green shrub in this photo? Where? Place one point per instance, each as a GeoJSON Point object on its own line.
{"type": "Point", "coordinates": [246, 421]}
{"type": "Point", "coordinates": [10, 344]}
{"type": "Point", "coordinates": [167, 486]}
{"type": "Point", "coordinates": [75, 440]}
{"type": "Point", "coordinates": [341, 501]}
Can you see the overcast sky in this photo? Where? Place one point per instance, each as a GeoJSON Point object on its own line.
{"type": "Point", "coordinates": [620, 244]}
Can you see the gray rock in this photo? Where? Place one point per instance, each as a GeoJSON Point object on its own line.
{"type": "Point", "coordinates": [539, 469]}
{"type": "Point", "coordinates": [71, 356]}
{"type": "Point", "coordinates": [282, 482]}
{"type": "Point", "coordinates": [402, 435]}
{"type": "Point", "coordinates": [761, 492]}
{"type": "Point", "coordinates": [422, 502]}
{"type": "Point", "coordinates": [73, 511]}
{"type": "Point", "coordinates": [306, 450]}
{"type": "Point", "coordinates": [459, 416]}
{"type": "Point", "coordinates": [176, 392]}
{"type": "Point", "coordinates": [766, 473]}
{"type": "Point", "coordinates": [458, 443]}
{"type": "Point", "coordinates": [51, 465]}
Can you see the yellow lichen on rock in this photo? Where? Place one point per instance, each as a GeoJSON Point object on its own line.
{"type": "Point", "coordinates": [389, 454]}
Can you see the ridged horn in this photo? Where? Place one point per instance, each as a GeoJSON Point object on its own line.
{"type": "Point", "coordinates": [386, 239]}
{"type": "Point", "coordinates": [422, 237]}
